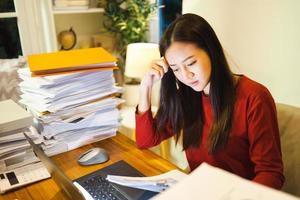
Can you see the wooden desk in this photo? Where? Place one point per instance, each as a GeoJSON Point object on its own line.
{"type": "Point", "coordinates": [119, 148]}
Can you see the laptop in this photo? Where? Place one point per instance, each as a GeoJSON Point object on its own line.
{"type": "Point", "coordinates": [94, 185]}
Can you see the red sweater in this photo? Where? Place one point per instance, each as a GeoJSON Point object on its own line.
{"type": "Point", "coordinates": [253, 149]}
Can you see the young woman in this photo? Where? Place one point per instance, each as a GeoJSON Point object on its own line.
{"type": "Point", "coordinates": [226, 120]}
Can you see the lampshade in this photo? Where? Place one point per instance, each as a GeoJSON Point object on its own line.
{"type": "Point", "coordinates": [139, 57]}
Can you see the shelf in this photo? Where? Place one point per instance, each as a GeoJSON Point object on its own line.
{"type": "Point", "coordinates": [83, 11]}
{"type": "Point", "coordinates": [8, 14]}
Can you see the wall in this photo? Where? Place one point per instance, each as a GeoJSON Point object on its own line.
{"type": "Point", "coordinates": [261, 39]}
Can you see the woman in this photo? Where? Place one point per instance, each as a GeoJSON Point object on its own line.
{"type": "Point", "coordinates": [226, 120]}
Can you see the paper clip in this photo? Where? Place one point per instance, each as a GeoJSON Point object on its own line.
{"type": "Point", "coordinates": [165, 183]}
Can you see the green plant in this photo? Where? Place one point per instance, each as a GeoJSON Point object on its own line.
{"type": "Point", "coordinates": [128, 20]}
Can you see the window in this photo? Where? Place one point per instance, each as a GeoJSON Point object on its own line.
{"type": "Point", "coordinates": [10, 45]}
{"type": "Point", "coordinates": [168, 11]}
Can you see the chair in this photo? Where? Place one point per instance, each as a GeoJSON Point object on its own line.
{"type": "Point", "coordinates": [289, 127]}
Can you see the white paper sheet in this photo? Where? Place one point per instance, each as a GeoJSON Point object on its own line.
{"type": "Point", "coordinates": [152, 183]}
{"type": "Point", "coordinates": [207, 182]}
{"type": "Point", "coordinates": [94, 120]}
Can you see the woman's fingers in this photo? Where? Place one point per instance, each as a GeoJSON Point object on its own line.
{"type": "Point", "coordinates": [163, 63]}
{"type": "Point", "coordinates": [156, 73]}
{"type": "Point", "coordinates": [160, 65]}
{"type": "Point", "coordinates": [157, 70]}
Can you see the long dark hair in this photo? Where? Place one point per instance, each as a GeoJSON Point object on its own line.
{"type": "Point", "coordinates": [182, 108]}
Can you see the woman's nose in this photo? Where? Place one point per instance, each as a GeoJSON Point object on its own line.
{"type": "Point", "coordinates": [187, 74]}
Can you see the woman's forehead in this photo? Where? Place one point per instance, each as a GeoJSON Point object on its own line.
{"type": "Point", "coordinates": [178, 51]}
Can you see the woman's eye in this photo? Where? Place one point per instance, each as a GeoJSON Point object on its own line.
{"type": "Point", "coordinates": [190, 64]}
{"type": "Point", "coordinates": [175, 70]}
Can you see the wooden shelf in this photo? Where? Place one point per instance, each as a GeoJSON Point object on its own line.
{"type": "Point", "coordinates": [90, 10]}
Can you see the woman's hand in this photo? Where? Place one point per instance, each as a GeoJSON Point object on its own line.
{"type": "Point", "coordinates": [157, 70]}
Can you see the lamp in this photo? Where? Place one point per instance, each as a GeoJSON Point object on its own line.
{"type": "Point", "coordinates": [138, 59]}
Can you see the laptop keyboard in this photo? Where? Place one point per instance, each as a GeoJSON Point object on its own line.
{"type": "Point", "coordinates": [100, 189]}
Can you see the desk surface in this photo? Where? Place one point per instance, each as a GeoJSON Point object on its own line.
{"type": "Point", "coordinates": [118, 147]}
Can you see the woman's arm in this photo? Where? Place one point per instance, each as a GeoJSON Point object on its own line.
{"type": "Point", "coordinates": [146, 133]}
{"type": "Point", "coordinates": [156, 71]}
{"type": "Point", "coordinates": [264, 140]}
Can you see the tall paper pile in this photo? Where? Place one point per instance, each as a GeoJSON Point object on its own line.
{"type": "Point", "coordinates": [71, 108]}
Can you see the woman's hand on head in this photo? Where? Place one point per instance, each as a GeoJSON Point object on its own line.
{"type": "Point", "coordinates": [157, 70]}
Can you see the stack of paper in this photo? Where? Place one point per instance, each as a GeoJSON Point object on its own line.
{"type": "Point", "coordinates": [15, 151]}
{"type": "Point", "coordinates": [72, 108]}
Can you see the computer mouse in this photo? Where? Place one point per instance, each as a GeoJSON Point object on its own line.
{"type": "Point", "coordinates": [93, 156]}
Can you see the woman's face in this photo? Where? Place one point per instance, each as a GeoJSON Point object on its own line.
{"type": "Point", "coordinates": [190, 64]}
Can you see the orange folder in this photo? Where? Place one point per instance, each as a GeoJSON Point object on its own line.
{"type": "Point", "coordinates": [71, 61]}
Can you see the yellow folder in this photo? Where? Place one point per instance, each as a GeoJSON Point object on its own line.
{"type": "Point", "coordinates": [73, 60]}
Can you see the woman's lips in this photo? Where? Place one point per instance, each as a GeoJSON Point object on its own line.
{"type": "Point", "coordinates": [194, 83]}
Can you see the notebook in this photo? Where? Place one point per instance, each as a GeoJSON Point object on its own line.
{"type": "Point", "coordinates": [94, 185]}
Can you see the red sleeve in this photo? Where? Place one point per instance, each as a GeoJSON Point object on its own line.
{"type": "Point", "coordinates": [264, 139]}
{"type": "Point", "coordinates": [146, 133]}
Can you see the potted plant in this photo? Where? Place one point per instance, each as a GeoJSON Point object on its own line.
{"type": "Point", "coordinates": [128, 20]}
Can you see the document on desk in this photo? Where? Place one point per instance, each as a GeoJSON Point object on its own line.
{"type": "Point", "coordinates": [51, 83]}
{"type": "Point", "coordinates": [12, 137]}
{"type": "Point", "coordinates": [93, 120]}
{"type": "Point", "coordinates": [60, 105]}
{"type": "Point", "coordinates": [152, 183]}
{"type": "Point", "coordinates": [55, 93]}
{"type": "Point", "coordinates": [18, 159]}
{"type": "Point", "coordinates": [207, 182]}
{"type": "Point", "coordinates": [82, 111]}
{"type": "Point", "coordinates": [14, 147]}
{"type": "Point", "coordinates": [77, 90]}
{"type": "Point", "coordinates": [72, 141]}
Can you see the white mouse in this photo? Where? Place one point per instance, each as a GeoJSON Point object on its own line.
{"type": "Point", "coordinates": [93, 156]}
